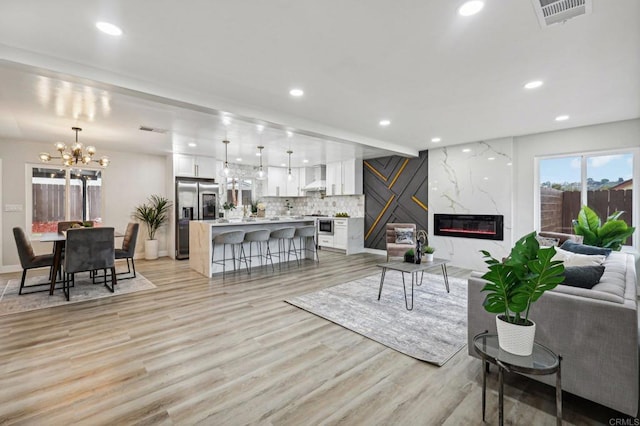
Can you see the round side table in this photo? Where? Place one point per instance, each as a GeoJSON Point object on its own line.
{"type": "Point", "coordinates": [542, 361]}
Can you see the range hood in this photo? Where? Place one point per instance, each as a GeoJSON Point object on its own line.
{"type": "Point", "coordinates": [318, 182]}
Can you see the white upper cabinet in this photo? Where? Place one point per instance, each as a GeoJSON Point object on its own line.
{"type": "Point", "coordinates": [344, 177]}
{"type": "Point", "coordinates": [194, 166]}
{"type": "Point", "coordinates": [279, 184]}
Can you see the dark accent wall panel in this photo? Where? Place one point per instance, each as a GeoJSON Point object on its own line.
{"type": "Point", "coordinates": [395, 190]}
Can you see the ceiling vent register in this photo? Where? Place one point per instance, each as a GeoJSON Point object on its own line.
{"type": "Point", "coordinates": [551, 12]}
{"type": "Point", "coordinates": [153, 129]}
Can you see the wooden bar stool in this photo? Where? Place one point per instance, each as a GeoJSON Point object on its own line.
{"type": "Point", "coordinates": [260, 237]}
{"type": "Point", "coordinates": [235, 240]}
{"type": "Point", "coordinates": [284, 236]}
{"type": "Point", "coordinates": [303, 233]}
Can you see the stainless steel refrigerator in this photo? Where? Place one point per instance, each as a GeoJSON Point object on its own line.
{"type": "Point", "coordinates": [196, 199]}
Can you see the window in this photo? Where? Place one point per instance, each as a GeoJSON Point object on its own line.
{"type": "Point", "coordinates": [604, 182]}
{"type": "Point", "coordinates": [64, 194]}
{"type": "Point", "coordinates": [239, 191]}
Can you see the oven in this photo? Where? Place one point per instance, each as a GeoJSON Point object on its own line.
{"type": "Point", "coordinates": [325, 226]}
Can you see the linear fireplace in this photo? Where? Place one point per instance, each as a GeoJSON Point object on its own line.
{"type": "Point", "coordinates": [486, 227]}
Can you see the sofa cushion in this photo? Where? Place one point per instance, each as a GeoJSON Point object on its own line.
{"type": "Point", "coordinates": [574, 247]}
{"type": "Point", "coordinates": [575, 259]}
{"type": "Point", "coordinates": [548, 241]}
{"type": "Point", "coordinates": [404, 236]}
{"type": "Point", "coordinates": [583, 276]}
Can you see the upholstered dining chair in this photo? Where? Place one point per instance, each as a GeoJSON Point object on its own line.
{"type": "Point", "coordinates": [395, 248]}
{"type": "Point", "coordinates": [89, 249]}
{"type": "Point", "coordinates": [29, 260]}
{"type": "Point", "coordinates": [128, 250]}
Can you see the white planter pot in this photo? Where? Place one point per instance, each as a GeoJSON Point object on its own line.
{"type": "Point", "coordinates": [516, 339]}
{"type": "Point", "coordinates": [428, 257]}
{"type": "Point", "coordinates": [151, 249]}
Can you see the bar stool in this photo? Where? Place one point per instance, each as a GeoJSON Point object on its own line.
{"type": "Point", "coordinates": [259, 236]}
{"type": "Point", "coordinates": [234, 239]}
{"type": "Point", "coordinates": [303, 233]}
{"type": "Point", "coordinates": [283, 235]}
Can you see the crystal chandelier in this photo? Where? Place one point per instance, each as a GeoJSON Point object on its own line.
{"type": "Point", "coordinates": [76, 154]}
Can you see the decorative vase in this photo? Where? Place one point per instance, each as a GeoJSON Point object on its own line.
{"type": "Point", "coordinates": [151, 249]}
{"type": "Point", "coordinates": [428, 257]}
{"type": "Point", "coordinates": [514, 338]}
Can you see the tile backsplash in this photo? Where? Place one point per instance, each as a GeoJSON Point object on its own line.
{"type": "Point", "coordinates": [314, 203]}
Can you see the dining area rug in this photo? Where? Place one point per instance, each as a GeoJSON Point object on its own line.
{"type": "Point", "coordinates": [434, 331]}
{"type": "Point", "coordinates": [84, 289]}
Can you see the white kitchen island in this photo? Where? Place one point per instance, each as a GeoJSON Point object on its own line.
{"type": "Point", "coordinates": [202, 232]}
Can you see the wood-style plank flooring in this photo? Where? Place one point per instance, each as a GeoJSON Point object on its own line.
{"type": "Point", "coordinates": [231, 352]}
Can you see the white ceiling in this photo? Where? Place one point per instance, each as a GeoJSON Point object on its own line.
{"type": "Point", "coordinates": [184, 66]}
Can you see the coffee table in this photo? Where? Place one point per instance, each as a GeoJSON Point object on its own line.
{"type": "Point", "coordinates": [413, 269]}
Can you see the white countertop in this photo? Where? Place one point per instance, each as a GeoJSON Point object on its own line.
{"type": "Point", "coordinates": [257, 221]}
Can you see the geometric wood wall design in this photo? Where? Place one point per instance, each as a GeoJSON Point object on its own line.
{"type": "Point", "coordinates": [395, 190]}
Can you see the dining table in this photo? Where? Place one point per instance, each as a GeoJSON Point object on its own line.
{"type": "Point", "coordinates": [59, 239]}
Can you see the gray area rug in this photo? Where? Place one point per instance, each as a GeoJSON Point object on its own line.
{"type": "Point", "coordinates": [11, 302]}
{"type": "Point", "coordinates": [434, 331]}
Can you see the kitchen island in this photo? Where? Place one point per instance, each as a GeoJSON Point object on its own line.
{"type": "Point", "coordinates": [202, 232]}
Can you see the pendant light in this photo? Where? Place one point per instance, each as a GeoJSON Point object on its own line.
{"type": "Point", "coordinates": [289, 177]}
{"type": "Point", "coordinates": [260, 169]}
{"type": "Point", "coordinates": [75, 154]}
{"type": "Point", "coordinates": [226, 157]}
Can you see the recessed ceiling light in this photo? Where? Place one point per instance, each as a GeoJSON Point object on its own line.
{"type": "Point", "coordinates": [226, 120]}
{"type": "Point", "coordinates": [508, 164]}
{"type": "Point", "coordinates": [289, 134]}
{"type": "Point", "coordinates": [466, 150]}
{"type": "Point", "coordinates": [296, 92]}
{"type": "Point", "coordinates": [485, 178]}
{"type": "Point", "coordinates": [435, 140]}
{"type": "Point", "coordinates": [384, 123]}
{"type": "Point", "coordinates": [258, 154]}
{"type": "Point", "coordinates": [471, 8]}
{"type": "Point", "coordinates": [305, 161]}
{"type": "Point", "coordinates": [533, 84]}
{"type": "Point", "coordinates": [562, 118]}
{"type": "Point", "coordinates": [238, 159]}
{"type": "Point", "coordinates": [108, 28]}
{"type": "Point", "coordinates": [283, 164]}
{"type": "Point", "coordinates": [491, 158]}
{"type": "Point", "coordinates": [192, 144]}
{"type": "Point", "coordinates": [260, 128]}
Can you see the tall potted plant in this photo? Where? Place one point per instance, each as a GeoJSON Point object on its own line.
{"type": "Point", "coordinates": [612, 234]}
{"type": "Point", "coordinates": [513, 285]}
{"type": "Point", "coordinates": [154, 213]}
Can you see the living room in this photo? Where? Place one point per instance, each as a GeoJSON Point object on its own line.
{"type": "Point", "coordinates": [63, 362]}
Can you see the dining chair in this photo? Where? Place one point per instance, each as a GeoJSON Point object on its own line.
{"type": "Point", "coordinates": [29, 260]}
{"type": "Point", "coordinates": [128, 250]}
{"type": "Point", "coordinates": [64, 225]}
{"type": "Point", "coordinates": [89, 249]}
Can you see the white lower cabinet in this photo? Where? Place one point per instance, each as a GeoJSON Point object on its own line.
{"type": "Point", "coordinates": [340, 232]}
{"type": "Point", "coordinates": [325, 240]}
{"type": "Point", "coordinates": [348, 236]}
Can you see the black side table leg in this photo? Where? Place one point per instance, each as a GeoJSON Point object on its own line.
{"type": "Point", "coordinates": [484, 387]}
{"type": "Point", "coordinates": [384, 271]}
{"type": "Point", "coordinates": [500, 397]}
{"type": "Point", "coordinates": [559, 393]}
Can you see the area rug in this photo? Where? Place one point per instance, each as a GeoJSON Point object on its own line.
{"type": "Point", "coordinates": [11, 302]}
{"type": "Point", "coordinates": [434, 331]}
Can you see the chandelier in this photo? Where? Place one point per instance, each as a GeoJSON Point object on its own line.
{"type": "Point", "coordinates": [74, 155]}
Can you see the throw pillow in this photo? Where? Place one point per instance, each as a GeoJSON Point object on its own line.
{"type": "Point", "coordinates": [575, 259]}
{"type": "Point", "coordinates": [547, 241]}
{"type": "Point", "coordinates": [583, 276]}
{"type": "Point", "coordinates": [574, 247]}
{"type": "Point", "coordinates": [404, 235]}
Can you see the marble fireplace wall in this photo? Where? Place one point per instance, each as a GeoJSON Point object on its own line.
{"type": "Point", "coordinates": [474, 178]}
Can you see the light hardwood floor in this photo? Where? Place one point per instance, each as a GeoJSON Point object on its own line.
{"type": "Point", "coordinates": [214, 352]}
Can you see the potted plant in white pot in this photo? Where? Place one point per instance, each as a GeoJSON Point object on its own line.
{"type": "Point", "coordinates": [514, 284]}
{"type": "Point", "coordinates": [428, 253]}
{"type": "Point", "coordinates": [154, 213]}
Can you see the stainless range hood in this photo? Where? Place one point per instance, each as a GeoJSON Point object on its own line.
{"type": "Point", "coordinates": [318, 183]}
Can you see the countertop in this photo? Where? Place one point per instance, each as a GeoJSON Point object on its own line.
{"type": "Point", "coordinates": [257, 221]}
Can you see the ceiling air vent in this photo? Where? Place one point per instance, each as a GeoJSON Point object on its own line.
{"type": "Point", "coordinates": [551, 12]}
{"type": "Point", "coordinates": [153, 129]}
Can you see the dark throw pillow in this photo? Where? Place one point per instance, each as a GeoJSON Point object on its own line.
{"type": "Point", "coordinates": [583, 276]}
{"type": "Point", "coordinates": [574, 247]}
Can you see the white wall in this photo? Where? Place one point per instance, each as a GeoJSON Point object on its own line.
{"type": "Point", "coordinates": [471, 183]}
{"type": "Point", "coordinates": [127, 182]}
{"type": "Point", "coordinates": [609, 136]}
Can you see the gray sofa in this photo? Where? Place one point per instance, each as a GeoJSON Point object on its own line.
{"type": "Point", "coordinates": [594, 330]}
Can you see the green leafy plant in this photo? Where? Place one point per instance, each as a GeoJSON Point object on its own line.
{"type": "Point", "coordinates": [611, 235]}
{"type": "Point", "coordinates": [154, 213]}
{"type": "Point", "coordinates": [520, 279]}
{"type": "Point", "coordinates": [409, 256]}
{"type": "Point", "coordinates": [428, 249]}
{"type": "Point", "coordinates": [229, 206]}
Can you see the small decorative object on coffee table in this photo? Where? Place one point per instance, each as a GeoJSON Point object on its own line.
{"type": "Point", "coordinates": [413, 269]}
{"type": "Point", "coordinates": [541, 361]}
